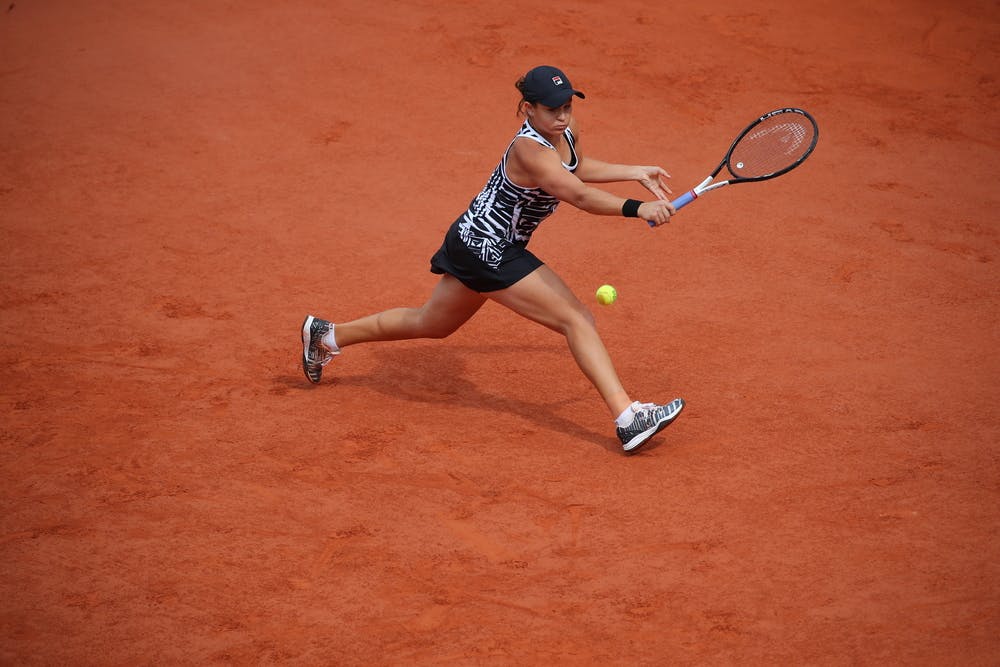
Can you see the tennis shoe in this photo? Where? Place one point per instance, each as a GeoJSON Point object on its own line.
{"type": "Point", "coordinates": [314, 354]}
{"type": "Point", "coordinates": [649, 420]}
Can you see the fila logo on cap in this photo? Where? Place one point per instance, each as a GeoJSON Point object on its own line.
{"type": "Point", "coordinates": [557, 80]}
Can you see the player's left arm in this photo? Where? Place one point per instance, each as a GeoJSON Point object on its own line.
{"type": "Point", "coordinates": [592, 170]}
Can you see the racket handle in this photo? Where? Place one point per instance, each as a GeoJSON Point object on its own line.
{"type": "Point", "coordinates": [679, 203]}
{"type": "Point", "coordinates": [684, 200]}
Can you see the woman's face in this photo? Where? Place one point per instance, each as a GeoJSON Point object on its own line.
{"type": "Point", "coordinates": [550, 120]}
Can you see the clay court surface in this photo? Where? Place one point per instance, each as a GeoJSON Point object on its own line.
{"type": "Point", "coordinates": [180, 183]}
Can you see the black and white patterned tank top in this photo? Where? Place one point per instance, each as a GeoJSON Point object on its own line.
{"type": "Point", "coordinates": [505, 213]}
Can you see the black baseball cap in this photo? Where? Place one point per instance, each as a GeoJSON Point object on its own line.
{"type": "Point", "coordinates": [549, 86]}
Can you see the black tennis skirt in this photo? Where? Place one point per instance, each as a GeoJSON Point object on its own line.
{"type": "Point", "coordinates": [455, 258]}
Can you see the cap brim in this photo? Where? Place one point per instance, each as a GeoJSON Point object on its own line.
{"type": "Point", "coordinates": [560, 98]}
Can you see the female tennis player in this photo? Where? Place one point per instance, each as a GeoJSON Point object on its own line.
{"type": "Point", "coordinates": [485, 256]}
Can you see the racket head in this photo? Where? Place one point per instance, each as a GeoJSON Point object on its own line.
{"type": "Point", "coordinates": [772, 145]}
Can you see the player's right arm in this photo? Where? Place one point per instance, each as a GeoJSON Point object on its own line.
{"type": "Point", "coordinates": [531, 165]}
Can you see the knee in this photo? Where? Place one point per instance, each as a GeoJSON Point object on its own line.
{"type": "Point", "coordinates": [579, 318]}
{"type": "Point", "coordinates": [583, 315]}
{"type": "Point", "coordinates": [436, 329]}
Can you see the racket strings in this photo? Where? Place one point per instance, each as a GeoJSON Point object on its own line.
{"type": "Point", "coordinates": [775, 144]}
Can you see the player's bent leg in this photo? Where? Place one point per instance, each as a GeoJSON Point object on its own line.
{"type": "Point", "coordinates": [543, 297]}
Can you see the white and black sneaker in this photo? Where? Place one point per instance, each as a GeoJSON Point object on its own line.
{"type": "Point", "coordinates": [649, 419]}
{"type": "Point", "coordinates": [314, 354]}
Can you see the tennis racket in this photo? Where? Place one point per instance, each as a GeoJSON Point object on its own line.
{"type": "Point", "coordinates": [772, 145]}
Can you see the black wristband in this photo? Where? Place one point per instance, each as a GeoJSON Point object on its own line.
{"type": "Point", "coordinates": [630, 209]}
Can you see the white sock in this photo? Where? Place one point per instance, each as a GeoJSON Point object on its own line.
{"type": "Point", "coordinates": [627, 415]}
{"type": "Point", "coordinates": [330, 341]}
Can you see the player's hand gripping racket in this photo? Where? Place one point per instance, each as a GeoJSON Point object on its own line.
{"type": "Point", "coordinates": [772, 145]}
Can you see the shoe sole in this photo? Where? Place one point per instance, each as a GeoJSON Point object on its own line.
{"type": "Point", "coordinates": [645, 436]}
{"type": "Point", "coordinates": [306, 339]}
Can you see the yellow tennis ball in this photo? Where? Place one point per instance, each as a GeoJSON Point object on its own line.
{"type": "Point", "coordinates": [606, 295]}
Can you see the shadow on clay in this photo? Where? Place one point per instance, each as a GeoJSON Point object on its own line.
{"type": "Point", "coordinates": [435, 374]}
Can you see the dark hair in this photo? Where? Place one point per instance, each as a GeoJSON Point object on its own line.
{"type": "Point", "coordinates": [519, 84]}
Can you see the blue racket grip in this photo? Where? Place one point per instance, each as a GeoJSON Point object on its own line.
{"type": "Point", "coordinates": [684, 200]}
{"type": "Point", "coordinates": [679, 203]}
